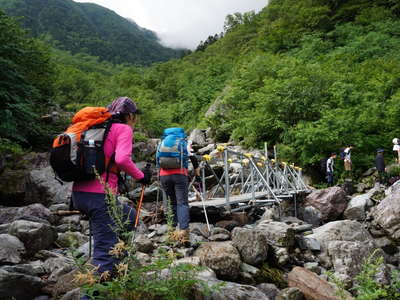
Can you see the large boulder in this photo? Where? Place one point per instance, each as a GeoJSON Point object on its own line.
{"type": "Point", "coordinates": [221, 257]}
{"type": "Point", "coordinates": [348, 257]}
{"type": "Point", "coordinates": [331, 202]}
{"type": "Point", "coordinates": [42, 187]}
{"type": "Point", "coordinates": [252, 245]}
{"type": "Point", "coordinates": [357, 206]}
{"type": "Point", "coordinates": [312, 286]}
{"type": "Point", "coordinates": [19, 286]}
{"type": "Point", "coordinates": [198, 136]}
{"type": "Point", "coordinates": [37, 210]}
{"type": "Point", "coordinates": [11, 249]}
{"type": "Point", "coordinates": [35, 236]}
{"type": "Point", "coordinates": [277, 234]}
{"type": "Point", "coordinates": [346, 230]}
{"type": "Point", "coordinates": [387, 213]}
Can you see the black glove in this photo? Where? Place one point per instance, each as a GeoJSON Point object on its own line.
{"type": "Point", "coordinates": [146, 180]}
{"type": "Point", "coordinates": [198, 179]}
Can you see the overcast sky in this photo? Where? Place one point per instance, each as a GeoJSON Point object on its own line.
{"type": "Point", "coordinates": [180, 23]}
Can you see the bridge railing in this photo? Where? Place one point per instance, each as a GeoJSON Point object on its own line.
{"type": "Point", "coordinates": [249, 179]}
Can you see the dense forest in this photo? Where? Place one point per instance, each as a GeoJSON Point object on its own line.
{"type": "Point", "coordinates": [309, 76]}
{"type": "Point", "coordinates": [91, 29]}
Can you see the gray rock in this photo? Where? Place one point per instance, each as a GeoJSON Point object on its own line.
{"type": "Point", "coordinates": [345, 230]}
{"type": "Point", "coordinates": [20, 286]}
{"type": "Point", "coordinates": [4, 228]}
{"type": "Point", "coordinates": [72, 295]}
{"type": "Point", "coordinates": [161, 230]}
{"type": "Point", "coordinates": [218, 230]}
{"type": "Point", "coordinates": [313, 267]}
{"type": "Point", "coordinates": [221, 257]}
{"type": "Point", "coordinates": [71, 239]}
{"type": "Point", "coordinates": [35, 236]}
{"type": "Point", "coordinates": [207, 149]}
{"type": "Point", "coordinates": [291, 293]}
{"type": "Point", "coordinates": [269, 289]}
{"type": "Point", "coordinates": [42, 187]}
{"type": "Point", "coordinates": [387, 213]}
{"type": "Point", "coordinates": [197, 136]}
{"type": "Point", "coordinates": [348, 256]}
{"type": "Point", "coordinates": [11, 249]}
{"type": "Point", "coordinates": [271, 214]}
{"type": "Point", "coordinates": [200, 229]}
{"type": "Point", "coordinates": [230, 291]}
{"type": "Point", "coordinates": [310, 243]}
{"type": "Point", "coordinates": [10, 214]}
{"type": "Point", "coordinates": [67, 227]}
{"type": "Point", "coordinates": [144, 244]}
{"type": "Point", "coordinates": [71, 220]}
{"type": "Point", "coordinates": [24, 269]}
{"type": "Point", "coordinates": [252, 245]}
{"type": "Point", "coordinates": [277, 233]}
{"type": "Point", "coordinates": [58, 266]}
{"type": "Point", "coordinates": [356, 209]}
{"type": "Point", "coordinates": [311, 215]}
{"type": "Point", "coordinates": [219, 237]}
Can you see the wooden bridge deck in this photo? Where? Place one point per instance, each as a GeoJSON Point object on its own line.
{"type": "Point", "coordinates": [233, 199]}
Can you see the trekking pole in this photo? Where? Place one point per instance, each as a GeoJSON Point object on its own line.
{"type": "Point", "coordinates": [139, 205]}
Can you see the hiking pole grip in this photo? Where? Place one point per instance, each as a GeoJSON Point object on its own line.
{"type": "Point", "coordinates": [139, 205]}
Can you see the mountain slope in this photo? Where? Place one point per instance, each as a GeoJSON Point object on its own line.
{"type": "Point", "coordinates": [90, 28]}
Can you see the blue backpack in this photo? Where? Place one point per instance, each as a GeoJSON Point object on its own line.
{"type": "Point", "coordinates": [172, 151]}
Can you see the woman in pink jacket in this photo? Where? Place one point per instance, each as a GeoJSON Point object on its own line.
{"type": "Point", "coordinates": [89, 196]}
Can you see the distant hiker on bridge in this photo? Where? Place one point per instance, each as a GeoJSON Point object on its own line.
{"type": "Point", "coordinates": [89, 196]}
{"type": "Point", "coordinates": [172, 156]}
{"type": "Point", "coordinates": [330, 168]}
{"type": "Point", "coordinates": [380, 166]}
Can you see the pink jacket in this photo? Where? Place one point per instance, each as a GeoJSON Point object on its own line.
{"type": "Point", "coordinates": [118, 141]}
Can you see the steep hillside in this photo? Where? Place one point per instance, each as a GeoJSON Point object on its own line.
{"type": "Point", "coordinates": [90, 28]}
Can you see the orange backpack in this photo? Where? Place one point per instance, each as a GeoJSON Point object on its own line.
{"type": "Point", "coordinates": [78, 153]}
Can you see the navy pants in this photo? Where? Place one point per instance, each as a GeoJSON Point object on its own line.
{"type": "Point", "coordinates": [176, 187]}
{"type": "Point", "coordinates": [330, 178]}
{"type": "Point", "coordinates": [104, 238]}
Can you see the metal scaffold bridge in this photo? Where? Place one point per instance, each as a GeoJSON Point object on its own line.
{"type": "Point", "coordinates": [246, 181]}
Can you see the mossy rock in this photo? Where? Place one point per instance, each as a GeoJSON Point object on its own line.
{"type": "Point", "coordinates": [268, 274]}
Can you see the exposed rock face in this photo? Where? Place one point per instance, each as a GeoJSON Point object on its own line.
{"type": "Point", "coordinates": [11, 249]}
{"type": "Point", "coordinates": [42, 187]}
{"type": "Point", "coordinates": [312, 286]}
{"type": "Point", "coordinates": [35, 236]}
{"type": "Point", "coordinates": [331, 202]}
{"type": "Point", "coordinates": [221, 257]}
{"type": "Point", "coordinates": [252, 245]}
{"type": "Point", "coordinates": [346, 230]}
{"type": "Point", "coordinates": [18, 285]}
{"type": "Point", "coordinates": [387, 213]}
{"type": "Point", "coordinates": [278, 234]}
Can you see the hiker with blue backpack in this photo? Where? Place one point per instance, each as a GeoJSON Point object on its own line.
{"type": "Point", "coordinates": [93, 150]}
{"type": "Point", "coordinates": [173, 155]}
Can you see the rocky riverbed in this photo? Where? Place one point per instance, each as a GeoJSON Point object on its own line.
{"type": "Point", "coordinates": [259, 254]}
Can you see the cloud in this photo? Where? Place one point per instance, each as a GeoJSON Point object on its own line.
{"type": "Point", "coordinates": [181, 23]}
